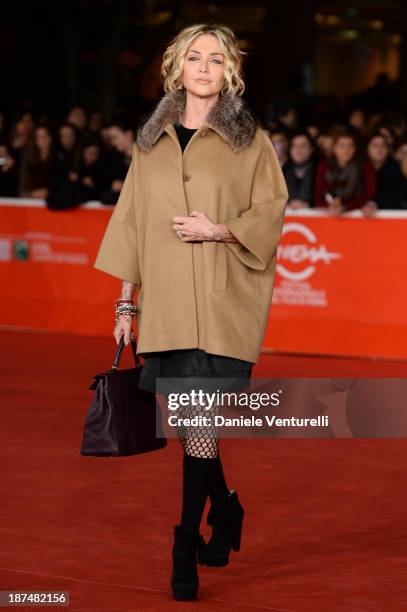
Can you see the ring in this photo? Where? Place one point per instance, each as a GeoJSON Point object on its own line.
{"type": "Point", "coordinates": [180, 233]}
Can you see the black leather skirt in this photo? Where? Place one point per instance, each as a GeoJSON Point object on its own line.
{"type": "Point", "coordinates": [185, 364]}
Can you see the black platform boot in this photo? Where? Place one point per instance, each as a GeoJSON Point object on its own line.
{"type": "Point", "coordinates": [188, 545]}
{"type": "Point", "coordinates": [226, 533]}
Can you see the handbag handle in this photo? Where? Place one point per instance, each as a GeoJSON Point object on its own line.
{"type": "Point", "coordinates": [116, 361]}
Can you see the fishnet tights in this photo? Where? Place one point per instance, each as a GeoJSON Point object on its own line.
{"type": "Point", "coordinates": [199, 440]}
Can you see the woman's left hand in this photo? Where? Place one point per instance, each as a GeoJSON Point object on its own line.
{"type": "Point", "coordinates": [196, 227]}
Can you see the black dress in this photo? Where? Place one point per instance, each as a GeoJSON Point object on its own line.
{"type": "Point", "coordinates": [190, 362]}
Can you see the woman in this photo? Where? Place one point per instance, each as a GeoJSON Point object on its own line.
{"type": "Point", "coordinates": [121, 143]}
{"type": "Point", "coordinates": [343, 181]}
{"type": "Point", "coordinates": [67, 152]}
{"type": "Point", "coordinates": [38, 164]}
{"type": "Point", "coordinates": [391, 189]}
{"type": "Point", "coordinates": [21, 130]}
{"type": "Point", "coordinates": [299, 172]}
{"type": "Point", "coordinates": [196, 228]}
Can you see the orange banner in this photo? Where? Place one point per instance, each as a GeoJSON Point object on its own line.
{"type": "Point", "coordinates": [47, 278]}
{"type": "Point", "coordinates": [340, 283]}
{"type": "Point", "coordinates": [340, 286]}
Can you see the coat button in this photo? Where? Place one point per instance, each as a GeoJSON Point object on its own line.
{"type": "Point", "coordinates": [186, 176]}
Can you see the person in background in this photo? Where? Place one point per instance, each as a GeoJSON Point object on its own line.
{"type": "Point", "coordinates": [122, 141]}
{"type": "Point", "coordinates": [287, 118]}
{"type": "Point", "coordinates": [62, 193]}
{"type": "Point", "coordinates": [281, 115]}
{"type": "Point", "coordinates": [105, 137]}
{"type": "Point", "coordinates": [357, 121]}
{"type": "Point", "coordinates": [400, 154]}
{"type": "Point", "coordinates": [77, 116]}
{"type": "Point", "coordinates": [299, 171]}
{"type": "Point", "coordinates": [91, 171]}
{"type": "Point", "coordinates": [21, 131]}
{"type": "Point", "coordinates": [67, 146]}
{"type": "Point", "coordinates": [387, 131]}
{"type": "Point", "coordinates": [313, 131]}
{"type": "Point", "coordinates": [391, 189]}
{"type": "Point", "coordinates": [95, 121]}
{"type": "Point", "coordinates": [281, 144]}
{"type": "Point", "coordinates": [38, 164]}
{"type": "Point", "coordinates": [81, 181]}
{"type": "Point", "coordinates": [344, 181]}
{"type": "Point", "coordinates": [325, 143]}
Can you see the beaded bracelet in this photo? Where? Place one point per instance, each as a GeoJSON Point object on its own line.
{"type": "Point", "coordinates": [126, 307]}
{"type": "Point", "coordinates": [129, 309]}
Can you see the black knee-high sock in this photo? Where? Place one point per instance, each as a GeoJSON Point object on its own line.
{"type": "Point", "coordinates": [196, 472]}
{"type": "Point", "coordinates": [218, 490]}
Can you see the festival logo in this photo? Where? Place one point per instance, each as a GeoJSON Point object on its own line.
{"type": "Point", "coordinates": [299, 255]}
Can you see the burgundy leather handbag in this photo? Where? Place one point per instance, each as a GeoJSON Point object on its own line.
{"type": "Point", "coordinates": [122, 419]}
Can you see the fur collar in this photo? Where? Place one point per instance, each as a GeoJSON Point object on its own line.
{"type": "Point", "coordinates": [230, 117]}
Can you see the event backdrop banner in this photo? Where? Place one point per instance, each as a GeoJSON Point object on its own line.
{"type": "Point", "coordinates": [340, 285]}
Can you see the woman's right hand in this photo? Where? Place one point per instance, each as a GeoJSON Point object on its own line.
{"type": "Point", "coordinates": [124, 327]}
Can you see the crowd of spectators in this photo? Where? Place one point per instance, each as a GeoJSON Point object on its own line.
{"type": "Point", "coordinates": [360, 163]}
{"type": "Point", "coordinates": [78, 161]}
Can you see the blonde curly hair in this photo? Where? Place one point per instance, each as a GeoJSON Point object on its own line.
{"type": "Point", "coordinates": [174, 56]}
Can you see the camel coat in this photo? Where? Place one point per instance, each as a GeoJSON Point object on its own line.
{"type": "Point", "coordinates": [209, 295]}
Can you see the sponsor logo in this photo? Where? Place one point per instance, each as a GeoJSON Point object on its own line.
{"type": "Point", "coordinates": [39, 247]}
{"type": "Point", "coordinates": [20, 250]}
{"type": "Point", "coordinates": [5, 249]}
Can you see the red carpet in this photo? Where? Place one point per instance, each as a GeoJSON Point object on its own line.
{"type": "Point", "coordinates": [325, 525]}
